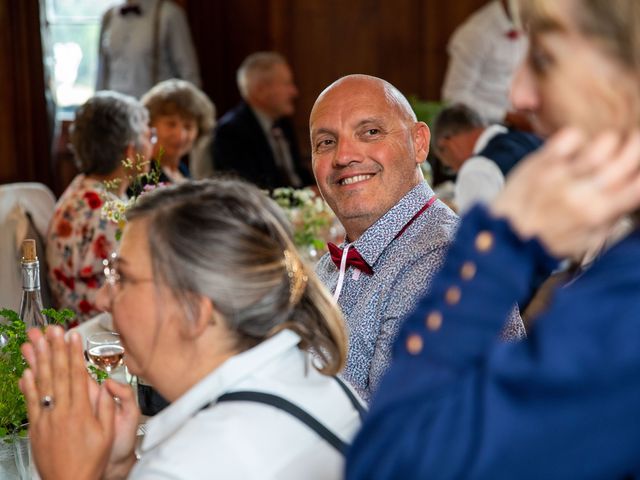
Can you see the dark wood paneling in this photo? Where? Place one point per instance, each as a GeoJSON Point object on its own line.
{"type": "Point", "coordinates": [403, 41]}
{"type": "Point", "coordinates": [24, 132]}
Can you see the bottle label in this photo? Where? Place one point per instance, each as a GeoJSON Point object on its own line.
{"type": "Point", "coordinates": [30, 276]}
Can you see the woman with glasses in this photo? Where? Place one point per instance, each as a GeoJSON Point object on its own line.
{"type": "Point", "coordinates": [182, 115]}
{"type": "Point", "coordinates": [217, 310]}
{"type": "Point", "coordinates": [108, 128]}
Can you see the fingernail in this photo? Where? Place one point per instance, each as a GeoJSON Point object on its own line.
{"type": "Point", "coordinates": [75, 337]}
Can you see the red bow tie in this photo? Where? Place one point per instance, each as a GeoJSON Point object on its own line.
{"type": "Point", "coordinates": [353, 258]}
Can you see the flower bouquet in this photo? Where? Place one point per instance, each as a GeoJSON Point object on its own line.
{"type": "Point", "coordinates": [313, 221]}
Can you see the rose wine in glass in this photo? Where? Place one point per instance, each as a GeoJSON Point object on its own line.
{"type": "Point", "coordinates": [105, 350]}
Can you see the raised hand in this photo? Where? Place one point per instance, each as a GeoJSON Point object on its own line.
{"type": "Point", "coordinates": [70, 436]}
{"type": "Point", "coordinates": [570, 193]}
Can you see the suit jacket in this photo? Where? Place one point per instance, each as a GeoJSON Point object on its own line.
{"type": "Point", "coordinates": [241, 146]}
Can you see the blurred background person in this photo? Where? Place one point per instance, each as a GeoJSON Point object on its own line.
{"type": "Point", "coordinates": [182, 115]}
{"type": "Point", "coordinates": [256, 139]}
{"type": "Point", "coordinates": [216, 307]}
{"type": "Point", "coordinates": [482, 155]}
{"type": "Point", "coordinates": [484, 53]}
{"type": "Point", "coordinates": [107, 129]}
{"type": "Point", "coordinates": [143, 42]}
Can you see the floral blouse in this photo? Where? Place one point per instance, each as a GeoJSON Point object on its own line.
{"type": "Point", "coordinates": [77, 242]}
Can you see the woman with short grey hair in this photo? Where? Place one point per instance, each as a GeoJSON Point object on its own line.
{"type": "Point", "coordinates": [216, 308]}
{"type": "Point", "coordinates": [108, 128]}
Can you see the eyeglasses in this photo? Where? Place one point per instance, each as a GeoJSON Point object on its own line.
{"type": "Point", "coordinates": [113, 277]}
{"type": "Point", "coordinates": [153, 136]}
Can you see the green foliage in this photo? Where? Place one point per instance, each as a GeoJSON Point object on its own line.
{"type": "Point", "coordinates": [309, 215]}
{"type": "Point", "coordinates": [13, 332]}
{"type": "Point", "coordinates": [426, 111]}
{"type": "Point", "coordinates": [58, 317]}
{"type": "Point", "coordinates": [13, 411]}
{"type": "Point", "coordinates": [99, 374]}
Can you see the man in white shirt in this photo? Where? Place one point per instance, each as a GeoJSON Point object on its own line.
{"type": "Point", "coordinates": [484, 53]}
{"type": "Point", "coordinates": [143, 42]}
{"type": "Point", "coordinates": [481, 155]}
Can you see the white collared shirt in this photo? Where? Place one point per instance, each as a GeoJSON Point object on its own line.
{"type": "Point", "coordinates": [479, 178]}
{"type": "Point", "coordinates": [483, 58]}
{"type": "Point", "coordinates": [241, 440]}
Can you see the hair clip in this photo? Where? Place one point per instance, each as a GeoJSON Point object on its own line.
{"type": "Point", "coordinates": [297, 278]}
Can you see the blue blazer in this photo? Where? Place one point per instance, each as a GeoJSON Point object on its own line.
{"type": "Point", "coordinates": [562, 404]}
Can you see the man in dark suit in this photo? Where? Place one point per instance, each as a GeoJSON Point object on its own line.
{"type": "Point", "coordinates": [256, 139]}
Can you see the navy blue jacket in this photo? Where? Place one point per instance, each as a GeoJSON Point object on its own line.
{"type": "Point", "coordinates": [240, 146]}
{"type": "Point", "coordinates": [563, 404]}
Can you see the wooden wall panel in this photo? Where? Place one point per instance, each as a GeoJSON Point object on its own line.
{"type": "Point", "coordinates": [25, 151]}
{"type": "Point", "coordinates": [403, 41]}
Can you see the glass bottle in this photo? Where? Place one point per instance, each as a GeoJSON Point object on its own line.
{"type": "Point", "coordinates": [31, 304]}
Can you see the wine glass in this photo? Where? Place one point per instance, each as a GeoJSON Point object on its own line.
{"type": "Point", "coordinates": [105, 350]}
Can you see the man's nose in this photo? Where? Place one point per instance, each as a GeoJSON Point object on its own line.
{"type": "Point", "coordinates": [347, 152]}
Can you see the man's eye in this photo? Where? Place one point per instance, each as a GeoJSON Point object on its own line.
{"type": "Point", "coordinates": [373, 131]}
{"type": "Point", "coordinates": [327, 142]}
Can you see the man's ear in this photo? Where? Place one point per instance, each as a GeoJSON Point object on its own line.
{"type": "Point", "coordinates": [421, 139]}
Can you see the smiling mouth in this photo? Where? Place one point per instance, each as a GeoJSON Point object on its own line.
{"type": "Point", "coordinates": [355, 179]}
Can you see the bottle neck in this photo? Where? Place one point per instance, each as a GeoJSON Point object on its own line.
{"type": "Point", "coordinates": [30, 276]}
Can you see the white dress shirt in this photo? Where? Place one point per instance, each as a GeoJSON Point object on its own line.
{"type": "Point", "coordinates": [479, 179]}
{"type": "Point", "coordinates": [243, 440]}
{"type": "Point", "coordinates": [483, 57]}
{"type": "Point", "coordinates": [127, 46]}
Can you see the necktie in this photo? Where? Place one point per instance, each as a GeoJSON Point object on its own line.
{"type": "Point", "coordinates": [353, 258]}
{"type": "Point", "coordinates": [283, 158]}
{"type": "Point", "coordinates": [127, 9]}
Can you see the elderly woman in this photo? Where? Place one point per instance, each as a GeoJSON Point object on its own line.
{"type": "Point", "coordinates": [560, 404]}
{"type": "Point", "coordinates": [108, 128]}
{"type": "Point", "coordinates": [181, 115]}
{"type": "Point", "coordinates": [217, 310]}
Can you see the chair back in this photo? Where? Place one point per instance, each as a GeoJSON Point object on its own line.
{"type": "Point", "coordinates": [25, 212]}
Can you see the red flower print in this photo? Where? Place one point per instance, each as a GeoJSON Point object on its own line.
{"type": "Point", "coordinates": [93, 199]}
{"type": "Point", "coordinates": [101, 247]}
{"type": "Point", "coordinates": [61, 277]}
{"type": "Point", "coordinates": [64, 228]}
{"type": "Point", "coordinates": [84, 306]}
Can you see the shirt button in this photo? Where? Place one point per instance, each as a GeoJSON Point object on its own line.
{"type": "Point", "coordinates": [414, 344]}
{"type": "Point", "coordinates": [468, 270]}
{"type": "Point", "coordinates": [484, 241]}
{"type": "Point", "coordinates": [434, 321]}
{"type": "Point", "coordinates": [453, 295]}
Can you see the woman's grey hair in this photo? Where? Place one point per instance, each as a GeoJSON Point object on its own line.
{"type": "Point", "coordinates": [227, 241]}
{"type": "Point", "coordinates": [104, 127]}
{"type": "Point", "coordinates": [182, 98]}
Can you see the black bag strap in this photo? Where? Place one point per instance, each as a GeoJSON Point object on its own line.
{"type": "Point", "coordinates": [354, 401]}
{"type": "Point", "coordinates": [291, 409]}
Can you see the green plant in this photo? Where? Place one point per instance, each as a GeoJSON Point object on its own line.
{"type": "Point", "coordinates": [142, 176]}
{"type": "Point", "coordinates": [425, 110]}
{"type": "Point", "coordinates": [13, 411]}
{"type": "Point", "coordinates": [309, 215]}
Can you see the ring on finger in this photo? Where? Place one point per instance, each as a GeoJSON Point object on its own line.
{"type": "Point", "coordinates": [47, 402]}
